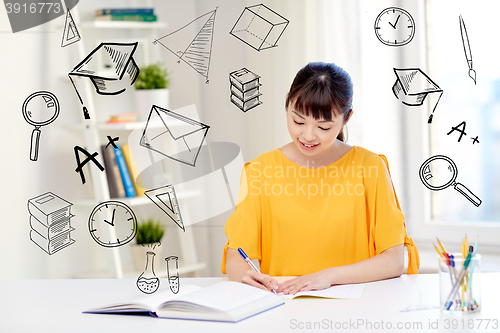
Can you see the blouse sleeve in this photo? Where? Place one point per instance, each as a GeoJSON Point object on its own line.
{"type": "Point", "coordinates": [243, 228]}
{"type": "Point", "coordinates": [390, 228]}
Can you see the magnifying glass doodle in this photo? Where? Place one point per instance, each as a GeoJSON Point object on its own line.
{"type": "Point", "coordinates": [39, 109]}
{"type": "Point", "coordinates": [439, 172]}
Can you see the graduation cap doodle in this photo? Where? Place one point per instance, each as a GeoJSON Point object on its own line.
{"type": "Point", "coordinates": [122, 71]}
{"type": "Point", "coordinates": [413, 86]}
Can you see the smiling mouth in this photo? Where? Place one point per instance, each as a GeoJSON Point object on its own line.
{"type": "Point", "coordinates": [308, 146]}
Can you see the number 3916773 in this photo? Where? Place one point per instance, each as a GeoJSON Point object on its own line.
{"type": "Point", "coordinates": [33, 8]}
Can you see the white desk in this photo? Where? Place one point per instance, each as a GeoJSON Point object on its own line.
{"type": "Point", "coordinates": [56, 306]}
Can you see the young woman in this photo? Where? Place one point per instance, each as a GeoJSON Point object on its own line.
{"type": "Point", "coordinates": [317, 208]}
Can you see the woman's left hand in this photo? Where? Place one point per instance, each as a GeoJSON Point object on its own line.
{"type": "Point", "coordinates": [315, 281]}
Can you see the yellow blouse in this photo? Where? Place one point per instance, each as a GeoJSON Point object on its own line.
{"type": "Point", "coordinates": [298, 220]}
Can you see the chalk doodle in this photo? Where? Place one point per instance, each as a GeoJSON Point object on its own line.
{"type": "Point", "coordinates": [50, 223]}
{"type": "Point", "coordinates": [412, 86]}
{"type": "Point", "coordinates": [196, 51]}
{"type": "Point", "coordinates": [119, 71]}
{"type": "Point", "coordinates": [259, 27]}
{"type": "Point", "coordinates": [439, 172]}
{"type": "Point", "coordinates": [39, 109]}
{"type": "Point", "coordinates": [244, 86]}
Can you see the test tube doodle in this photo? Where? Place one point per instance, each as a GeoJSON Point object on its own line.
{"type": "Point", "coordinates": [173, 273]}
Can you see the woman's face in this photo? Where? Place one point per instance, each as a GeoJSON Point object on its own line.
{"type": "Point", "coordinates": [312, 136]}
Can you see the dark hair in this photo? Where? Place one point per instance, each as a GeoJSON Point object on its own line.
{"type": "Point", "coordinates": [320, 90]}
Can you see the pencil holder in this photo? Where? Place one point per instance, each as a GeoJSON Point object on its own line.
{"type": "Point", "coordinates": [460, 283]}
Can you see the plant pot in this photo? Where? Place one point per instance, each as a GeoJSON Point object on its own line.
{"type": "Point", "coordinates": [146, 98]}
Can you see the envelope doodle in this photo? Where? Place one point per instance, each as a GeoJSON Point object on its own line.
{"type": "Point", "coordinates": [173, 135]}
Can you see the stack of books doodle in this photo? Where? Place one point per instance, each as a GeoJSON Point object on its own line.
{"type": "Point", "coordinates": [245, 89]}
{"type": "Point", "coordinates": [126, 14]}
{"type": "Point", "coordinates": [50, 222]}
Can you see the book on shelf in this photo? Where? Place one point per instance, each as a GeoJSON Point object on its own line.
{"type": "Point", "coordinates": [224, 301]}
{"type": "Point", "coordinates": [115, 182]}
{"type": "Point", "coordinates": [124, 172]}
{"type": "Point", "coordinates": [127, 17]}
{"type": "Point", "coordinates": [122, 118]}
{"type": "Point", "coordinates": [132, 168]}
{"type": "Point", "coordinates": [113, 11]}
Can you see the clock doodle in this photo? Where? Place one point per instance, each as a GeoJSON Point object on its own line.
{"type": "Point", "coordinates": [112, 223]}
{"type": "Point", "coordinates": [394, 27]}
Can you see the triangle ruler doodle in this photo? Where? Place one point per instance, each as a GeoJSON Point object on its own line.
{"type": "Point", "coordinates": [164, 197]}
{"type": "Point", "coordinates": [192, 46]}
{"type": "Point", "coordinates": [70, 33]}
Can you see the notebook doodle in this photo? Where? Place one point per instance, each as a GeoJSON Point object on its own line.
{"type": "Point", "coordinates": [259, 27]}
{"type": "Point", "coordinates": [196, 51]}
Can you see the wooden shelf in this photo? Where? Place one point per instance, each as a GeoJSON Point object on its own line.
{"type": "Point", "coordinates": [123, 25]}
{"type": "Point", "coordinates": [137, 201]}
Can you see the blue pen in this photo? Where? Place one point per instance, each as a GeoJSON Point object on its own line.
{"type": "Point", "coordinates": [245, 257]}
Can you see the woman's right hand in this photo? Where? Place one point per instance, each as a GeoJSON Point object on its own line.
{"type": "Point", "coordinates": [238, 270]}
{"type": "Point", "coordinates": [259, 280]}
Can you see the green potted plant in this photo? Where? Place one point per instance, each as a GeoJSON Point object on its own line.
{"type": "Point", "coordinates": [150, 231]}
{"type": "Point", "coordinates": [151, 88]}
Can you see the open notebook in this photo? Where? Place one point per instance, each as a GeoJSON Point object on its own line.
{"type": "Point", "coordinates": [224, 301]}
